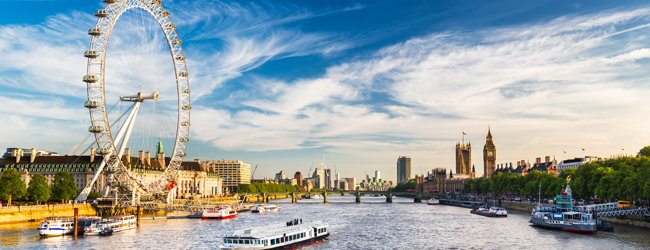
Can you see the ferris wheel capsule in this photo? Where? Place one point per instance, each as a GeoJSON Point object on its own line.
{"type": "Point", "coordinates": [164, 13]}
{"type": "Point", "coordinates": [102, 13]}
{"type": "Point", "coordinates": [185, 124]}
{"type": "Point", "coordinates": [103, 151]}
{"type": "Point", "coordinates": [183, 139]}
{"type": "Point", "coordinates": [90, 78]}
{"type": "Point", "coordinates": [157, 2]}
{"type": "Point", "coordinates": [170, 26]}
{"type": "Point", "coordinates": [186, 107]}
{"type": "Point", "coordinates": [176, 41]}
{"type": "Point", "coordinates": [180, 57]}
{"type": "Point", "coordinates": [92, 54]}
{"type": "Point", "coordinates": [182, 74]}
{"type": "Point", "coordinates": [95, 32]}
{"type": "Point", "coordinates": [109, 1]}
{"type": "Point", "coordinates": [91, 104]}
{"type": "Point", "coordinates": [96, 129]}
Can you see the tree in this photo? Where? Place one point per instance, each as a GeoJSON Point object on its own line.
{"type": "Point", "coordinates": [645, 151]}
{"type": "Point", "coordinates": [38, 189]}
{"type": "Point", "coordinates": [93, 195]}
{"type": "Point", "coordinates": [63, 187]}
{"type": "Point", "coordinates": [11, 185]}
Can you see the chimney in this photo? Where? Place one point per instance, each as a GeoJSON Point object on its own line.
{"type": "Point", "coordinates": [161, 160]}
{"type": "Point", "coordinates": [518, 164]}
{"type": "Point", "coordinates": [127, 153]}
{"type": "Point", "coordinates": [548, 158]}
{"type": "Point", "coordinates": [523, 162]}
{"type": "Point", "coordinates": [92, 155]}
{"type": "Point", "coordinates": [19, 153]}
{"type": "Point", "coordinates": [539, 160]}
{"type": "Point", "coordinates": [147, 157]}
{"type": "Point", "coordinates": [197, 160]}
{"type": "Point", "coordinates": [33, 156]}
{"type": "Point", "coordinates": [141, 156]}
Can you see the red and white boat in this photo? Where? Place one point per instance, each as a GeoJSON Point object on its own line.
{"type": "Point", "coordinates": [219, 213]}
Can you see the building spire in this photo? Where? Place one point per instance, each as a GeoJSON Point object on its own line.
{"type": "Point", "coordinates": [489, 133]}
{"type": "Point", "coordinates": [159, 148]}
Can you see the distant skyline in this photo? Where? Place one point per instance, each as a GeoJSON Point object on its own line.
{"type": "Point", "coordinates": [282, 83]}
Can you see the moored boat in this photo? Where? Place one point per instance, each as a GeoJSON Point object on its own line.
{"type": "Point", "coordinates": [263, 208]}
{"type": "Point", "coordinates": [433, 201]}
{"type": "Point", "coordinates": [219, 213]}
{"type": "Point", "coordinates": [562, 216]}
{"type": "Point", "coordinates": [277, 236]}
{"type": "Point", "coordinates": [56, 226]}
{"type": "Point", "coordinates": [112, 224]}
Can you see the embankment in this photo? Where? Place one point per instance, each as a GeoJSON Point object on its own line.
{"type": "Point", "coordinates": [35, 213]}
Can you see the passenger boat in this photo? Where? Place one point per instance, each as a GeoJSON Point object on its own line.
{"type": "Point", "coordinates": [375, 195]}
{"type": "Point", "coordinates": [315, 196]}
{"type": "Point", "coordinates": [219, 213]}
{"type": "Point", "coordinates": [488, 211]}
{"type": "Point", "coordinates": [61, 225]}
{"type": "Point", "coordinates": [112, 224]}
{"type": "Point", "coordinates": [56, 226]}
{"type": "Point", "coordinates": [562, 216]}
{"type": "Point", "coordinates": [276, 236]}
{"type": "Point", "coordinates": [433, 201]}
{"type": "Point", "coordinates": [263, 208]}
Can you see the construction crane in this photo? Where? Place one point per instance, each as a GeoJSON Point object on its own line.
{"type": "Point", "coordinates": [253, 174]}
{"type": "Point", "coordinates": [322, 164]}
{"type": "Point", "coordinates": [312, 166]}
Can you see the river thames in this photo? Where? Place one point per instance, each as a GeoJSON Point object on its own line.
{"type": "Point", "coordinates": [372, 224]}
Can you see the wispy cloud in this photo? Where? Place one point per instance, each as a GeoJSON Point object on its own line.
{"type": "Point", "coordinates": [542, 83]}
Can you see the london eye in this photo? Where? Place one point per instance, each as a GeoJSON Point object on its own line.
{"type": "Point", "coordinates": [139, 99]}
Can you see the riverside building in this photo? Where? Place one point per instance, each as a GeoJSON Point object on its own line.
{"type": "Point", "coordinates": [439, 182]}
{"type": "Point", "coordinates": [403, 169]}
{"type": "Point", "coordinates": [233, 172]}
{"type": "Point", "coordinates": [192, 180]}
{"type": "Point", "coordinates": [575, 163]}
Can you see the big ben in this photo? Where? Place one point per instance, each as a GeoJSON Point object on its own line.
{"type": "Point", "coordinates": [489, 156]}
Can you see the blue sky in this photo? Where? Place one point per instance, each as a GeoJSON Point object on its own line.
{"type": "Point", "coordinates": [280, 83]}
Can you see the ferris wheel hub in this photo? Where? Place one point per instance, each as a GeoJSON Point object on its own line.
{"type": "Point", "coordinates": [139, 97]}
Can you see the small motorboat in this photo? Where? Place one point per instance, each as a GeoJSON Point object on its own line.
{"type": "Point", "coordinates": [219, 213]}
{"type": "Point", "coordinates": [263, 208]}
{"type": "Point", "coordinates": [433, 201]}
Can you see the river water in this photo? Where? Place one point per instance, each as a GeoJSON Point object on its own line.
{"type": "Point", "coordinates": [372, 224]}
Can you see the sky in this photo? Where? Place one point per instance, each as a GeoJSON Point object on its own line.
{"type": "Point", "coordinates": [280, 84]}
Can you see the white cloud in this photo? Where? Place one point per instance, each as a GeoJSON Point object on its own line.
{"type": "Point", "coordinates": [545, 88]}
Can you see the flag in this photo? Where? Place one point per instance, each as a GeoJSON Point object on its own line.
{"type": "Point", "coordinates": [583, 149]}
{"type": "Point", "coordinates": [565, 152]}
{"type": "Point", "coordinates": [464, 133]}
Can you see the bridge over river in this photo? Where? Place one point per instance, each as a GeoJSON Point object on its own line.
{"type": "Point", "coordinates": [264, 196]}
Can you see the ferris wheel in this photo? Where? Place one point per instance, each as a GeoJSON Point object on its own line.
{"type": "Point", "coordinates": [132, 77]}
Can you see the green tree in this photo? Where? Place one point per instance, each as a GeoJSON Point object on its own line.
{"type": "Point", "coordinates": [93, 195]}
{"type": "Point", "coordinates": [11, 185]}
{"type": "Point", "coordinates": [63, 187]}
{"type": "Point", "coordinates": [645, 151]}
{"type": "Point", "coordinates": [38, 189]}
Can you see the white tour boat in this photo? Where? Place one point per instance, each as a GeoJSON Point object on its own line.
{"type": "Point", "coordinates": [276, 236]}
{"type": "Point", "coordinates": [112, 224]}
{"type": "Point", "coordinates": [433, 201]}
{"type": "Point", "coordinates": [498, 212]}
{"type": "Point", "coordinates": [219, 213]}
{"type": "Point", "coordinates": [315, 196]}
{"type": "Point", "coordinates": [263, 208]}
{"type": "Point", "coordinates": [56, 226]}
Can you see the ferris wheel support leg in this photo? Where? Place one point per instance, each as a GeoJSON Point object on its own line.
{"type": "Point", "coordinates": [136, 107]}
{"type": "Point", "coordinates": [86, 191]}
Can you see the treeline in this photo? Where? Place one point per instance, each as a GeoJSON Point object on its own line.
{"type": "Point", "coordinates": [626, 178]}
{"type": "Point", "coordinates": [402, 187]}
{"type": "Point", "coordinates": [266, 188]}
{"type": "Point", "coordinates": [63, 188]}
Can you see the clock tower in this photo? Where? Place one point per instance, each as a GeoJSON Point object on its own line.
{"type": "Point", "coordinates": [489, 156]}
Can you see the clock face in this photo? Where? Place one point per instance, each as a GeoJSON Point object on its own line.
{"type": "Point", "coordinates": [490, 153]}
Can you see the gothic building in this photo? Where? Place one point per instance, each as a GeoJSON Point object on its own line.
{"type": "Point", "coordinates": [489, 156]}
{"type": "Point", "coordinates": [463, 158]}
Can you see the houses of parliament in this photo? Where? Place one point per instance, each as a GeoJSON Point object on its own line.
{"type": "Point", "coordinates": [464, 158]}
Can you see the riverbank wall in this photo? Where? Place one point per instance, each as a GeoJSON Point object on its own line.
{"type": "Point", "coordinates": [36, 213]}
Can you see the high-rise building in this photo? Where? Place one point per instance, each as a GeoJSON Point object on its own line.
{"type": "Point", "coordinates": [280, 175]}
{"type": "Point", "coordinates": [298, 177]}
{"type": "Point", "coordinates": [489, 156]}
{"type": "Point", "coordinates": [233, 172]}
{"type": "Point", "coordinates": [328, 178]}
{"type": "Point", "coordinates": [377, 176]}
{"type": "Point", "coordinates": [319, 178]}
{"type": "Point", "coordinates": [351, 182]}
{"type": "Point", "coordinates": [463, 158]}
{"type": "Point", "coordinates": [403, 169]}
